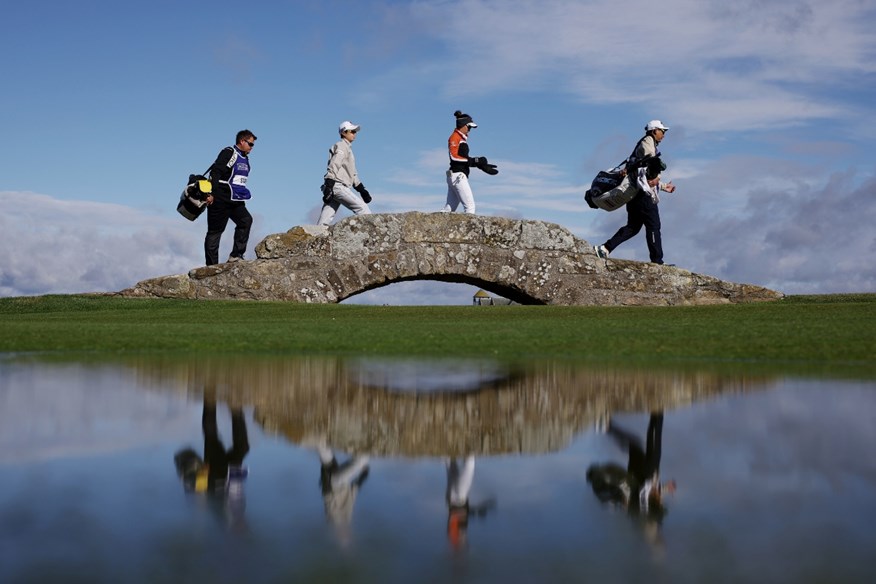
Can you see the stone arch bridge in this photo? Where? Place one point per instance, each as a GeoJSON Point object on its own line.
{"type": "Point", "coordinates": [529, 262]}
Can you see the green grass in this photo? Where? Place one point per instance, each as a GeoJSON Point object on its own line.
{"type": "Point", "coordinates": [835, 331]}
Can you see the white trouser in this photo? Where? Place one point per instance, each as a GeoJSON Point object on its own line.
{"type": "Point", "coordinates": [458, 191]}
{"type": "Point", "coordinates": [459, 480]}
{"type": "Point", "coordinates": [342, 195]}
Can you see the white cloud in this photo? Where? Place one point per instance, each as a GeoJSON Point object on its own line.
{"type": "Point", "coordinates": [429, 164]}
{"type": "Point", "coordinates": [56, 246]}
{"type": "Point", "coordinates": [716, 65]}
{"type": "Point", "coordinates": [63, 411]}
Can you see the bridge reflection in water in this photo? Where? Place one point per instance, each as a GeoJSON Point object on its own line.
{"type": "Point", "coordinates": [436, 408]}
{"type": "Point", "coordinates": [148, 469]}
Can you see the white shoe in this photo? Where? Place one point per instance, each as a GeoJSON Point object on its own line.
{"type": "Point", "coordinates": [601, 251]}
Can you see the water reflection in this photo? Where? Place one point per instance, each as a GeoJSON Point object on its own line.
{"type": "Point", "coordinates": [496, 472]}
{"type": "Point", "coordinates": [340, 484]}
{"type": "Point", "coordinates": [220, 474]}
{"type": "Point", "coordinates": [460, 475]}
{"type": "Point", "coordinates": [455, 412]}
{"type": "Point", "coordinates": [638, 488]}
{"type": "Point", "coordinates": [503, 408]}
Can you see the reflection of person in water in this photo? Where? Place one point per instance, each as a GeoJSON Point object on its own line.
{"type": "Point", "coordinates": [636, 488]}
{"type": "Point", "coordinates": [340, 484]}
{"type": "Point", "coordinates": [220, 473]}
{"type": "Point", "coordinates": [459, 480]}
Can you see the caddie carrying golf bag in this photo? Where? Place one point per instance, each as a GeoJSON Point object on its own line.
{"type": "Point", "coordinates": [614, 188]}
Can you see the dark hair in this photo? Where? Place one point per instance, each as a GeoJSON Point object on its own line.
{"type": "Point", "coordinates": [462, 119]}
{"type": "Point", "coordinates": [243, 135]}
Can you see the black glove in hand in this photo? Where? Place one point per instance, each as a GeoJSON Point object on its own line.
{"type": "Point", "coordinates": [653, 167]}
{"type": "Point", "coordinates": [484, 165]}
{"type": "Point", "coordinates": [366, 196]}
{"type": "Point", "coordinates": [327, 187]}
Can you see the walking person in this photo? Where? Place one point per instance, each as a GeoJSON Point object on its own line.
{"type": "Point", "coordinates": [341, 178]}
{"type": "Point", "coordinates": [643, 174]}
{"type": "Point", "coordinates": [229, 175]}
{"type": "Point", "coordinates": [458, 189]}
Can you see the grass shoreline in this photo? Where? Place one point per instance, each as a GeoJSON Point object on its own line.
{"type": "Point", "coordinates": [830, 331]}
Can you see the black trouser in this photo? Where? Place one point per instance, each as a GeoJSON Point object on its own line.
{"type": "Point", "coordinates": [218, 215]}
{"type": "Point", "coordinates": [643, 463]}
{"type": "Point", "coordinates": [642, 210]}
{"type": "Point", "coordinates": [215, 454]}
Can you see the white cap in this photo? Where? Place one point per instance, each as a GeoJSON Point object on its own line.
{"type": "Point", "coordinates": [346, 126]}
{"type": "Point", "coordinates": [655, 125]}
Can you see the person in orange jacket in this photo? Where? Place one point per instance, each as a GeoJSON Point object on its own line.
{"type": "Point", "coordinates": [458, 189]}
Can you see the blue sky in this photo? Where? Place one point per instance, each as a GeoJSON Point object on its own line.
{"type": "Point", "coordinates": [107, 108]}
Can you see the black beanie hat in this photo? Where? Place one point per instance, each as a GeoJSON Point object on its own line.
{"type": "Point", "coordinates": [463, 119]}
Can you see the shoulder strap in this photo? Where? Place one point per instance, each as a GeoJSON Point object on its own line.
{"type": "Point", "coordinates": [632, 155]}
{"type": "Point", "coordinates": [632, 161]}
{"type": "Point", "coordinates": [231, 160]}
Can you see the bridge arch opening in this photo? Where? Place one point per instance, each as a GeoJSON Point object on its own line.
{"type": "Point", "coordinates": [432, 290]}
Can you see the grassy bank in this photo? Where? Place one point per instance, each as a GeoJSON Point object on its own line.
{"type": "Point", "coordinates": [835, 330]}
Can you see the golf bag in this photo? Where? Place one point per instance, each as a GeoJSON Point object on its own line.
{"type": "Point", "coordinates": [193, 200]}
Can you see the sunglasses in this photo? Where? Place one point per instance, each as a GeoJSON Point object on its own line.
{"type": "Point", "coordinates": [352, 131]}
{"type": "Point", "coordinates": [251, 144]}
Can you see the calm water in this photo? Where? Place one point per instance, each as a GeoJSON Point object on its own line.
{"type": "Point", "coordinates": [327, 470]}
